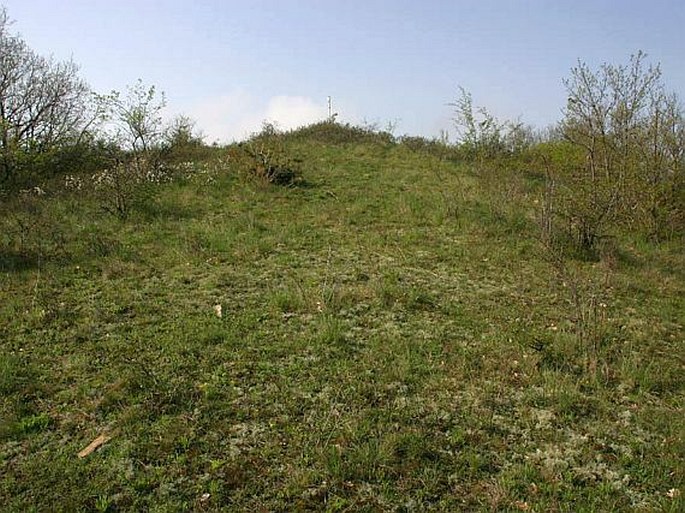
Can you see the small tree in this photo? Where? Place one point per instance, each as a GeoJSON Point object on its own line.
{"type": "Point", "coordinates": [181, 140]}
{"type": "Point", "coordinates": [135, 134]}
{"type": "Point", "coordinates": [482, 135]}
{"type": "Point", "coordinates": [630, 131]}
{"type": "Point", "coordinates": [136, 118]}
{"type": "Point", "coordinates": [44, 105]}
{"type": "Point", "coordinates": [181, 133]}
{"type": "Point", "coordinates": [660, 201]}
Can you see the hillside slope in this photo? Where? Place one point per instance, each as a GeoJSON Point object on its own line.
{"type": "Point", "coordinates": [392, 338]}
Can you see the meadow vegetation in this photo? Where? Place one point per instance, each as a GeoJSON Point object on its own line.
{"type": "Point", "coordinates": [337, 319]}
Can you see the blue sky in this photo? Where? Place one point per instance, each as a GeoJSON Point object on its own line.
{"type": "Point", "coordinates": [232, 64]}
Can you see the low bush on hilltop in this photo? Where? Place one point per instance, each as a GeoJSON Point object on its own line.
{"type": "Point", "coordinates": [265, 158]}
{"type": "Point", "coordinates": [332, 132]}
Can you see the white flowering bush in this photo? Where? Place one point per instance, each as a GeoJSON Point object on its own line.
{"type": "Point", "coordinates": [73, 183]}
{"type": "Point", "coordinates": [201, 171]}
{"type": "Point", "coordinates": [128, 184]}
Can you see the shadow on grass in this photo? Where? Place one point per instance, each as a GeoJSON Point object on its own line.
{"type": "Point", "coordinates": [17, 261]}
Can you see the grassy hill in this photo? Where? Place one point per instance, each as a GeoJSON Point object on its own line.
{"type": "Point", "coordinates": [392, 337]}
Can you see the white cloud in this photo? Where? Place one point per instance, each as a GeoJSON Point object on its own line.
{"type": "Point", "coordinates": [293, 111]}
{"type": "Point", "coordinates": [219, 118]}
{"type": "Point", "coordinates": [235, 116]}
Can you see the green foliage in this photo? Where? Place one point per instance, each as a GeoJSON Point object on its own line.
{"type": "Point", "coordinates": [32, 233]}
{"type": "Point", "coordinates": [135, 121]}
{"type": "Point", "coordinates": [265, 158]}
{"type": "Point", "coordinates": [632, 136]}
{"type": "Point", "coordinates": [570, 209]}
{"type": "Point", "coordinates": [435, 147]}
{"type": "Point", "coordinates": [332, 132]}
{"type": "Point", "coordinates": [482, 135]}
{"type": "Point", "coordinates": [182, 142]}
{"type": "Point", "coordinates": [134, 149]}
{"type": "Point", "coordinates": [129, 183]}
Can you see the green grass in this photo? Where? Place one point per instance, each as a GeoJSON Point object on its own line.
{"type": "Point", "coordinates": [392, 338]}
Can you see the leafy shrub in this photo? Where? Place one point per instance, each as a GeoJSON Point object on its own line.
{"type": "Point", "coordinates": [265, 159]}
{"type": "Point", "coordinates": [182, 142]}
{"type": "Point", "coordinates": [483, 136]}
{"type": "Point", "coordinates": [127, 184]}
{"type": "Point", "coordinates": [571, 213]}
{"type": "Point", "coordinates": [30, 233]}
{"type": "Point", "coordinates": [631, 134]}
